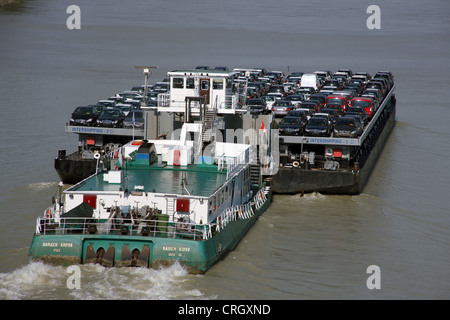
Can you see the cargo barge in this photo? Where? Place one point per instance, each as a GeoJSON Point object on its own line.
{"type": "Point", "coordinates": [304, 163]}
{"type": "Point", "coordinates": [334, 165]}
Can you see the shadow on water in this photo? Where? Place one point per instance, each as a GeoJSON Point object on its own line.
{"type": "Point", "coordinates": [13, 6]}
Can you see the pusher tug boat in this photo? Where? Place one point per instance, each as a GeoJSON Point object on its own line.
{"type": "Point", "coordinates": [162, 201]}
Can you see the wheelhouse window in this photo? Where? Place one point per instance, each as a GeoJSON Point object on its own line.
{"type": "Point", "coordinates": [178, 83]}
{"type": "Point", "coordinates": [190, 84]}
{"type": "Point", "coordinates": [218, 84]}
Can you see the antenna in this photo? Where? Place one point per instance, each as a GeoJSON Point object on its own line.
{"type": "Point", "coordinates": [144, 106]}
{"type": "Point", "coordinates": [147, 74]}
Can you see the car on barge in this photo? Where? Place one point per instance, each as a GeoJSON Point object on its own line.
{"type": "Point", "coordinates": [335, 165]}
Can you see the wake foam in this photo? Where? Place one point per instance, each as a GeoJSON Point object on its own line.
{"type": "Point", "coordinates": [42, 185]}
{"type": "Point", "coordinates": [37, 280]}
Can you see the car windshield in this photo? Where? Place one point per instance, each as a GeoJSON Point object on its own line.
{"type": "Point", "coordinates": [282, 104]}
{"type": "Point", "coordinates": [358, 110]}
{"type": "Point", "coordinates": [317, 122]}
{"type": "Point", "coordinates": [361, 103]}
{"type": "Point", "coordinates": [269, 98]}
{"type": "Point", "coordinates": [256, 102]}
{"type": "Point", "coordinates": [299, 114]}
{"type": "Point", "coordinates": [290, 121]}
{"type": "Point", "coordinates": [110, 113]}
{"type": "Point", "coordinates": [346, 122]}
{"type": "Point", "coordinates": [83, 111]}
{"type": "Point", "coordinates": [335, 101]}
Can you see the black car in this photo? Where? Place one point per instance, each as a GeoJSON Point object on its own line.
{"type": "Point", "coordinates": [361, 111]}
{"type": "Point", "coordinates": [134, 119]}
{"type": "Point", "coordinates": [320, 97]}
{"type": "Point", "coordinates": [277, 89]}
{"type": "Point", "coordinates": [346, 127]}
{"type": "Point", "coordinates": [291, 126]}
{"type": "Point", "coordinates": [312, 105]}
{"type": "Point", "coordinates": [358, 120]}
{"type": "Point", "coordinates": [257, 106]}
{"type": "Point", "coordinates": [333, 114]}
{"type": "Point", "coordinates": [297, 113]}
{"type": "Point", "coordinates": [111, 118]}
{"type": "Point", "coordinates": [85, 116]}
{"type": "Point", "coordinates": [318, 126]}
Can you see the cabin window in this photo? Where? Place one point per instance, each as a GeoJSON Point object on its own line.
{"type": "Point", "coordinates": [223, 197]}
{"type": "Point", "coordinates": [190, 84]}
{"type": "Point", "coordinates": [226, 192]}
{"type": "Point", "coordinates": [178, 83]}
{"type": "Point", "coordinates": [210, 207]}
{"type": "Point", "coordinates": [218, 84]}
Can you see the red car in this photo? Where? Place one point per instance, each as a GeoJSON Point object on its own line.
{"type": "Point", "coordinates": [366, 102]}
{"type": "Point", "coordinates": [335, 99]}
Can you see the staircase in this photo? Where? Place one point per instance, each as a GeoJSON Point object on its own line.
{"type": "Point", "coordinates": [210, 116]}
{"type": "Point", "coordinates": [170, 205]}
{"type": "Point", "coordinates": [255, 170]}
{"type": "Point", "coordinates": [206, 131]}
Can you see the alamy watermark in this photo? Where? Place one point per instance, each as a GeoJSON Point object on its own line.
{"type": "Point", "coordinates": [74, 280]}
{"type": "Point", "coordinates": [264, 146]}
{"type": "Point", "coordinates": [74, 20]}
{"type": "Point", "coordinates": [374, 280]}
{"type": "Point", "coordinates": [374, 20]}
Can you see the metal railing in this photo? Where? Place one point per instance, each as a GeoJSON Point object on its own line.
{"type": "Point", "coordinates": [124, 227]}
{"type": "Point", "coordinates": [129, 226]}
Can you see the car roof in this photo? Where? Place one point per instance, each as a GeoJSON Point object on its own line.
{"type": "Point", "coordinates": [321, 114]}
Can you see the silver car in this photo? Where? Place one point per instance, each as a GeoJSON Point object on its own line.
{"type": "Point", "coordinates": [281, 107]}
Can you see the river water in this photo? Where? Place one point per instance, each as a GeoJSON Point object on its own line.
{"type": "Point", "coordinates": [311, 247]}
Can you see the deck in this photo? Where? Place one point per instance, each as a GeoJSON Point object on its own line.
{"type": "Point", "coordinates": [200, 180]}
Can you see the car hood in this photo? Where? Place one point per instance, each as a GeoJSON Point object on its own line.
{"type": "Point", "coordinates": [284, 126]}
{"type": "Point", "coordinates": [312, 127]}
{"type": "Point", "coordinates": [109, 118]}
{"type": "Point", "coordinates": [345, 128]}
{"type": "Point", "coordinates": [84, 116]}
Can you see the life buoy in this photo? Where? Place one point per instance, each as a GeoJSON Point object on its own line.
{"type": "Point", "coordinates": [295, 164]}
{"type": "Point", "coordinates": [48, 214]}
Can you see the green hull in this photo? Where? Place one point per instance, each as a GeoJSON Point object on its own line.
{"type": "Point", "coordinates": [120, 250]}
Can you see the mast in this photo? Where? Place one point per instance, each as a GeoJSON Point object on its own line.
{"type": "Point", "coordinates": [147, 73]}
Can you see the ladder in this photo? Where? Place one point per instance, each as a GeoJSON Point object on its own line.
{"type": "Point", "coordinates": [255, 170]}
{"type": "Point", "coordinates": [170, 205]}
{"type": "Point", "coordinates": [206, 130]}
